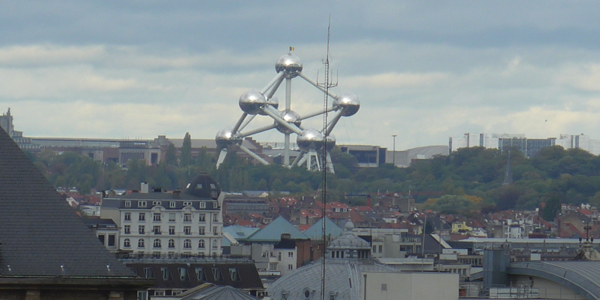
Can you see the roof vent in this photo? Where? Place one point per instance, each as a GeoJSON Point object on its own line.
{"type": "Point", "coordinates": [177, 194]}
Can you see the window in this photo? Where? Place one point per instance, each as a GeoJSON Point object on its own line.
{"type": "Point", "coordinates": [290, 254]}
{"type": "Point", "coordinates": [127, 229]}
{"type": "Point", "coordinates": [273, 266]}
{"type": "Point", "coordinates": [214, 244]}
{"type": "Point", "coordinates": [156, 229]}
{"type": "Point", "coordinates": [187, 230]}
{"type": "Point", "coordinates": [202, 204]}
{"type": "Point", "coordinates": [171, 243]}
{"type": "Point", "coordinates": [201, 244]}
{"type": "Point", "coordinates": [166, 274]}
{"type": "Point", "coordinates": [279, 256]}
{"type": "Point", "coordinates": [141, 203]}
{"type": "Point", "coordinates": [235, 275]}
{"type": "Point", "coordinates": [126, 243]}
{"type": "Point", "coordinates": [157, 243]}
{"type": "Point", "coordinates": [202, 218]}
{"type": "Point", "coordinates": [127, 203]}
{"type": "Point", "coordinates": [171, 217]}
{"type": "Point", "coordinates": [374, 249]}
{"type": "Point", "coordinates": [215, 218]}
{"type": "Point", "coordinates": [127, 216]}
{"type": "Point", "coordinates": [380, 248]}
{"type": "Point", "coordinates": [384, 286]}
{"type": "Point", "coordinates": [187, 244]}
{"type": "Point", "coordinates": [217, 274]}
{"type": "Point", "coordinates": [187, 203]}
{"type": "Point", "coordinates": [141, 243]}
{"type": "Point", "coordinates": [215, 231]}
{"type": "Point", "coordinates": [187, 217]}
{"type": "Point", "coordinates": [156, 217]}
{"type": "Point", "coordinates": [171, 230]}
{"type": "Point", "coordinates": [141, 229]}
{"type": "Point", "coordinates": [142, 217]}
{"type": "Point", "coordinates": [148, 273]}
{"type": "Point", "coordinates": [111, 240]}
{"type": "Point", "coordinates": [290, 267]}
{"type": "Point", "coordinates": [183, 274]}
{"type": "Point", "coordinates": [172, 204]}
{"type": "Point", "coordinates": [201, 230]}
{"type": "Point", "coordinates": [156, 203]}
{"type": "Point", "coordinates": [200, 274]}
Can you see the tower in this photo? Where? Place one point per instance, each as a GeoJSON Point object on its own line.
{"type": "Point", "coordinates": [288, 122]}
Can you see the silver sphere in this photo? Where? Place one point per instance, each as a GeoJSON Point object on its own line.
{"type": "Point", "coordinates": [226, 139]}
{"type": "Point", "coordinates": [252, 101]}
{"type": "Point", "coordinates": [330, 142]}
{"type": "Point", "coordinates": [291, 117]}
{"type": "Point", "coordinates": [310, 139]}
{"type": "Point", "coordinates": [290, 64]}
{"type": "Point", "coordinates": [348, 103]}
{"type": "Point", "coordinates": [273, 102]}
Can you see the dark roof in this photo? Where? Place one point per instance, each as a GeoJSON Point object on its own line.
{"type": "Point", "coordinates": [39, 232]}
{"type": "Point", "coordinates": [248, 277]}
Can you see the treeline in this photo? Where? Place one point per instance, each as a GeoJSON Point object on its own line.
{"type": "Point", "coordinates": [475, 174]}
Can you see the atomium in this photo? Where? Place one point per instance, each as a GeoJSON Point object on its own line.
{"type": "Point", "coordinates": [264, 103]}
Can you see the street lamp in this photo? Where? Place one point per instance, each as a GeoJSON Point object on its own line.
{"type": "Point", "coordinates": [394, 157]}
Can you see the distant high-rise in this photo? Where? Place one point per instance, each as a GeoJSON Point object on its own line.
{"type": "Point", "coordinates": [6, 122]}
{"type": "Point", "coordinates": [529, 147]}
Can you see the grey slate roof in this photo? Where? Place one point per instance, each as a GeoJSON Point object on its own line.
{"type": "Point", "coordinates": [39, 232]}
{"type": "Point", "coordinates": [272, 232]}
{"type": "Point", "coordinates": [213, 292]}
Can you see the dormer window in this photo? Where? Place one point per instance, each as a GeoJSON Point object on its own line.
{"type": "Point", "coordinates": [172, 204]}
{"type": "Point", "coordinates": [156, 203]}
{"type": "Point", "coordinates": [127, 203]}
{"type": "Point", "coordinates": [187, 203]}
{"type": "Point", "coordinates": [202, 204]}
{"type": "Point", "coordinates": [141, 203]}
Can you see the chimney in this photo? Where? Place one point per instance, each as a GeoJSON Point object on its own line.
{"type": "Point", "coordinates": [144, 188]}
{"type": "Point", "coordinates": [177, 194]}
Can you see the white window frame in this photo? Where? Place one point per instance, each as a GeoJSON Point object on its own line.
{"type": "Point", "coordinates": [142, 203]}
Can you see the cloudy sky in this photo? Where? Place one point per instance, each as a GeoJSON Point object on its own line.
{"type": "Point", "coordinates": [423, 70]}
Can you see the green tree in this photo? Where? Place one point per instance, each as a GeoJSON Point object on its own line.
{"type": "Point", "coordinates": [552, 208]}
{"type": "Point", "coordinates": [171, 155]}
{"type": "Point", "coordinates": [186, 151]}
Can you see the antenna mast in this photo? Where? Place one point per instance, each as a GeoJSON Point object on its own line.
{"type": "Point", "coordinates": [326, 85]}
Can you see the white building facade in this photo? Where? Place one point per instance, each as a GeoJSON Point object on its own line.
{"type": "Point", "coordinates": [167, 224]}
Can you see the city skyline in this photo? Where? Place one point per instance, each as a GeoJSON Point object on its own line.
{"type": "Point", "coordinates": [422, 71]}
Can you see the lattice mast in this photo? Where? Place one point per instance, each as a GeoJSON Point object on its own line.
{"type": "Point", "coordinates": [325, 85]}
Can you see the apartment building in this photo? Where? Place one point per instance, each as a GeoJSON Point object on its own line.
{"type": "Point", "coordinates": [168, 225]}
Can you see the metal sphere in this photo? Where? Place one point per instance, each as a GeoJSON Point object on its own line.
{"type": "Point", "coordinates": [252, 101]}
{"type": "Point", "coordinates": [310, 139]}
{"type": "Point", "coordinates": [273, 102]}
{"type": "Point", "coordinates": [290, 64]}
{"type": "Point", "coordinates": [330, 142]}
{"type": "Point", "coordinates": [349, 104]}
{"type": "Point", "coordinates": [225, 139]}
{"type": "Point", "coordinates": [291, 117]}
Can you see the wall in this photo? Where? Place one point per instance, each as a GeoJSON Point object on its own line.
{"type": "Point", "coordinates": [411, 286]}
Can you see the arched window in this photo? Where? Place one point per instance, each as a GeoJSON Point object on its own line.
{"type": "Point", "coordinates": [141, 243]}
{"type": "Point", "coordinates": [187, 244]}
{"type": "Point", "coordinates": [157, 243]}
{"type": "Point", "coordinates": [201, 244]}
{"type": "Point", "coordinates": [126, 243]}
{"type": "Point", "coordinates": [171, 243]}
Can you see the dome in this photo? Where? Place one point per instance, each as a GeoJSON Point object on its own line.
{"type": "Point", "coordinates": [348, 103]}
{"type": "Point", "coordinates": [252, 101]}
{"type": "Point", "coordinates": [204, 186]}
{"type": "Point", "coordinates": [343, 280]}
{"type": "Point", "coordinates": [290, 64]}
{"type": "Point", "coordinates": [349, 241]}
